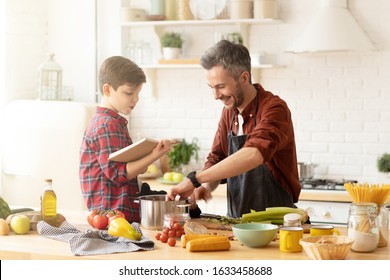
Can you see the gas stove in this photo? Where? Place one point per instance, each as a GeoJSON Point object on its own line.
{"type": "Point", "coordinates": [324, 184]}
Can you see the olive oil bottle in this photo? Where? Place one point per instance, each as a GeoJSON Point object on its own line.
{"type": "Point", "coordinates": [49, 203]}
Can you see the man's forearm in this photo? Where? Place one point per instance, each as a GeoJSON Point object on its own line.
{"type": "Point", "coordinates": [240, 162]}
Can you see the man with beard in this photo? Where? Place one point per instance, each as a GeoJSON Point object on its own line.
{"type": "Point", "coordinates": [254, 146]}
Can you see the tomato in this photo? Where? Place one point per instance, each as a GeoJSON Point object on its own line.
{"type": "Point", "coordinates": [179, 233]}
{"type": "Point", "coordinates": [171, 241]}
{"type": "Point", "coordinates": [91, 215]}
{"type": "Point", "coordinates": [177, 226]}
{"type": "Point", "coordinates": [113, 214]}
{"type": "Point", "coordinates": [158, 235]}
{"type": "Point", "coordinates": [100, 221]}
{"type": "Point", "coordinates": [164, 238]}
{"type": "Point", "coordinates": [172, 233]}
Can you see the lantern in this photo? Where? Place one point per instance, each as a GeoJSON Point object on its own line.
{"type": "Point", "coordinates": [50, 79]}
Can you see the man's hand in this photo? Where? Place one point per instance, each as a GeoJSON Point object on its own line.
{"type": "Point", "coordinates": [184, 189]}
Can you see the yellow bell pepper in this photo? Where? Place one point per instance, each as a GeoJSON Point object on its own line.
{"type": "Point", "coordinates": [121, 227]}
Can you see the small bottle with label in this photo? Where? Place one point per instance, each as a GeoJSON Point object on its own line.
{"type": "Point", "coordinates": [49, 203]}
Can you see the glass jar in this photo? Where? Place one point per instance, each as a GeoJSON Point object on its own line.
{"type": "Point", "coordinates": [174, 224]}
{"type": "Point", "coordinates": [383, 218]}
{"type": "Point", "coordinates": [363, 226]}
{"type": "Point", "coordinates": [292, 220]}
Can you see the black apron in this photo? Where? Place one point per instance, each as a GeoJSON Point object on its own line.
{"type": "Point", "coordinates": [256, 189]}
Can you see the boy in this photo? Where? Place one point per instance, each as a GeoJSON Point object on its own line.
{"type": "Point", "coordinates": [106, 184]}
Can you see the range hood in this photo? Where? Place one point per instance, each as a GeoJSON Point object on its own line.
{"type": "Point", "coordinates": [333, 29]}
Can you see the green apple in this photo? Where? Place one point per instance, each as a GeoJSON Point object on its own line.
{"type": "Point", "coordinates": [177, 177]}
{"type": "Point", "coordinates": [20, 224]}
{"type": "Point", "coordinates": [168, 176]}
{"type": "Point", "coordinates": [153, 169]}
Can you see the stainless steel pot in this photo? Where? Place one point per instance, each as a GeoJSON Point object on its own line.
{"type": "Point", "coordinates": [305, 170]}
{"type": "Point", "coordinates": [154, 207]}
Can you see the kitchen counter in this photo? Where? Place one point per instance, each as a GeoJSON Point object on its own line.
{"type": "Point", "coordinates": [34, 246]}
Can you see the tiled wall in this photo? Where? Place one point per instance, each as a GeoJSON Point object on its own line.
{"type": "Point", "coordinates": [340, 102]}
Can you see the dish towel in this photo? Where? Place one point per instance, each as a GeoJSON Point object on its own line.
{"type": "Point", "coordinates": [93, 242]}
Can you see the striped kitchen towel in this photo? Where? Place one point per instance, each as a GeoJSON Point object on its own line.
{"type": "Point", "coordinates": [93, 242]}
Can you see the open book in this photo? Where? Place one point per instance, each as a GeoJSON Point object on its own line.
{"type": "Point", "coordinates": [137, 150]}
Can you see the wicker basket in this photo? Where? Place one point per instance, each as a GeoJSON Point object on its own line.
{"type": "Point", "coordinates": [327, 247]}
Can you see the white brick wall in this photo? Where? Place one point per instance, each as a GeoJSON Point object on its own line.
{"type": "Point", "coordinates": [340, 102]}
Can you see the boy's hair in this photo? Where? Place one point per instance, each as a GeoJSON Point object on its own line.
{"type": "Point", "coordinates": [118, 70]}
{"type": "Point", "coordinates": [235, 58]}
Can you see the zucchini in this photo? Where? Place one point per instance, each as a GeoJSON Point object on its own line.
{"type": "Point", "coordinates": [19, 210]}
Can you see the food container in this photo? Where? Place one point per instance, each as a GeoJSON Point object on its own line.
{"type": "Point", "coordinates": [327, 247]}
{"type": "Point", "coordinates": [174, 224]}
{"type": "Point", "coordinates": [154, 207]}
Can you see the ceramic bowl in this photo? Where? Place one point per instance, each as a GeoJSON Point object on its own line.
{"type": "Point", "coordinates": [255, 235]}
{"type": "Point", "coordinates": [327, 247]}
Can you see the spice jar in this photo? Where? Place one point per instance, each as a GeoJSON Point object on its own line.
{"type": "Point", "coordinates": [383, 218]}
{"type": "Point", "coordinates": [363, 226]}
{"type": "Point", "coordinates": [292, 220]}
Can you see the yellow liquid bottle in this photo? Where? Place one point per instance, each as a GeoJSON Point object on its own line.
{"type": "Point", "coordinates": [49, 203]}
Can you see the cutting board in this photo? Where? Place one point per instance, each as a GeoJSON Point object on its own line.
{"type": "Point", "coordinates": [215, 226]}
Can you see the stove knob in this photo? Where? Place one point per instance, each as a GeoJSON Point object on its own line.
{"type": "Point", "coordinates": [310, 211]}
{"type": "Point", "coordinates": [326, 214]}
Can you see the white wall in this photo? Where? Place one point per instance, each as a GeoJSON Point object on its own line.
{"type": "Point", "coordinates": [340, 102]}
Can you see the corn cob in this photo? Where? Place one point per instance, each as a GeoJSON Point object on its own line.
{"type": "Point", "coordinates": [185, 238]}
{"type": "Point", "coordinates": [218, 243]}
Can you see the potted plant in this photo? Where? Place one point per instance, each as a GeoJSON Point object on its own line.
{"type": "Point", "coordinates": [171, 43]}
{"type": "Point", "coordinates": [179, 156]}
{"type": "Point", "coordinates": [383, 163]}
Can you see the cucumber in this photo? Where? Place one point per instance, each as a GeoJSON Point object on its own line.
{"type": "Point", "coordinates": [19, 210]}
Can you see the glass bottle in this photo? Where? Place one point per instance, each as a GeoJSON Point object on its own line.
{"type": "Point", "coordinates": [363, 226]}
{"type": "Point", "coordinates": [383, 218]}
{"type": "Point", "coordinates": [49, 203]}
{"type": "Point", "coordinates": [50, 79]}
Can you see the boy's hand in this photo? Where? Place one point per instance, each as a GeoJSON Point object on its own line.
{"type": "Point", "coordinates": [163, 147]}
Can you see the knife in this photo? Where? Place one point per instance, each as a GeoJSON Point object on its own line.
{"type": "Point", "coordinates": [210, 216]}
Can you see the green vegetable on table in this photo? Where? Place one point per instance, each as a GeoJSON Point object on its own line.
{"type": "Point", "coordinates": [273, 214]}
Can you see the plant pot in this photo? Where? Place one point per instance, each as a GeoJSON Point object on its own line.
{"type": "Point", "coordinates": [171, 53]}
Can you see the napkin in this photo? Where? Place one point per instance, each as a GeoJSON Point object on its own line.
{"type": "Point", "coordinates": [93, 242]}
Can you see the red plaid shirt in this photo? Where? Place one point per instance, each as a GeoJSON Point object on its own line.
{"type": "Point", "coordinates": [104, 183]}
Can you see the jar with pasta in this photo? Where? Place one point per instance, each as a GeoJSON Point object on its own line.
{"type": "Point", "coordinates": [363, 226]}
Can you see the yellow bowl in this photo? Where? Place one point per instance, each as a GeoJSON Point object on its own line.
{"type": "Point", "coordinates": [327, 247]}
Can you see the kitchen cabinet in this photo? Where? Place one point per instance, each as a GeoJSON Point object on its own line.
{"type": "Point", "coordinates": [153, 30]}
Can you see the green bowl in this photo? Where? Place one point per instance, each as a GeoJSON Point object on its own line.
{"type": "Point", "coordinates": [255, 235]}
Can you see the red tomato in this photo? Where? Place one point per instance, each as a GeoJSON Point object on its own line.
{"type": "Point", "coordinates": [179, 233]}
{"type": "Point", "coordinates": [113, 214]}
{"type": "Point", "coordinates": [100, 221]}
{"type": "Point", "coordinates": [164, 238]}
{"type": "Point", "coordinates": [91, 215]}
{"type": "Point", "coordinates": [158, 235]}
{"type": "Point", "coordinates": [177, 226]}
{"type": "Point", "coordinates": [171, 241]}
{"type": "Point", "coordinates": [172, 233]}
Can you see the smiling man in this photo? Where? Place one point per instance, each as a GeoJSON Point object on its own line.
{"type": "Point", "coordinates": [254, 146]}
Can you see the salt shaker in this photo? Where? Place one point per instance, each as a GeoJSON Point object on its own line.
{"type": "Point", "coordinates": [363, 226]}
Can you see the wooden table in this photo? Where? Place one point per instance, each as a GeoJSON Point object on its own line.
{"type": "Point", "coordinates": [34, 246]}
